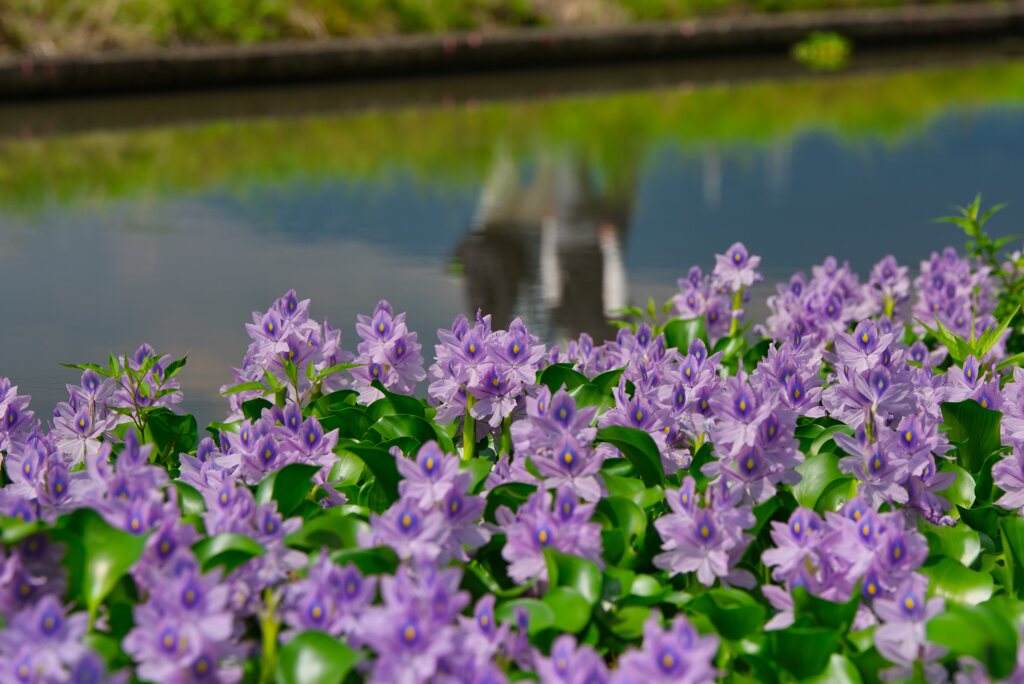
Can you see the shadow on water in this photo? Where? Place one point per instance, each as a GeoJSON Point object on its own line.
{"type": "Point", "coordinates": [555, 197]}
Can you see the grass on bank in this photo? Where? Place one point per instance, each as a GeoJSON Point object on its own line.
{"type": "Point", "coordinates": [48, 27]}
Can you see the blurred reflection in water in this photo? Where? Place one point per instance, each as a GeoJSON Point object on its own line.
{"type": "Point", "coordinates": [549, 248]}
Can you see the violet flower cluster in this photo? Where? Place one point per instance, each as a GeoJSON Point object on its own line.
{"type": "Point", "coordinates": [432, 567]}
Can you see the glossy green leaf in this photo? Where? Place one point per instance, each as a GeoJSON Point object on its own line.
{"type": "Point", "coordinates": [804, 651]}
{"type": "Point", "coordinates": [97, 556]}
{"type": "Point", "coordinates": [510, 494]}
{"type": "Point", "coordinates": [628, 622]}
{"type": "Point", "coordinates": [623, 514]}
{"type": "Point", "coordinates": [13, 530]}
{"type": "Point", "coordinates": [974, 429]}
{"type": "Point", "coordinates": [572, 571]}
{"type": "Point", "coordinates": [955, 582]}
{"type": "Point", "coordinates": [982, 632]}
{"type": "Point", "coordinates": [840, 670]}
{"type": "Point", "coordinates": [398, 425]}
{"type": "Point", "coordinates": [823, 613]}
{"type": "Point", "coordinates": [254, 408]}
{"type": "Point", "coordinates": [541, 615]}
{"type": "Point", "coordinates": [571, 610]}
{"type": "Point", "coordinates": [598, 392]}
{"type": "Point", "coordinates": [380, 560]}
{"type": "Point", "coordinates": [816, 474]}
{"type": "Point", "coordinates": [959, 542]}
{"type": "Point", "coordinates": [331, 530]}
{"type": "Point", "coordinates": [961, 491]}
{"type": "Point", "coordinates": [641, 450]}
{"type": "Point", "coordinates": [681, 333]}
{"type": "Point", "coordinates": [557, 375]}
{"type": "Point", "coordinates": [734, 613]}
{"type": "Point", "coordinates": [288, 486]}
{"type": "Point", "coordinates": [381, 464]}
{"type": "Point", "coordinates": [393, 403]}
{"type": "Point", "coordinates": [226, 550]}
{"type": "Point", "coordinates": [172, 434]}
{"type": "Point", "coordinates": [315, 658]}
{"type": "Point", "coordinates": [190, 501]}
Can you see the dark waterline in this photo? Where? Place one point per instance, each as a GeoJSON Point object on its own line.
{"type": "Point", "coordinates": [545, 237]}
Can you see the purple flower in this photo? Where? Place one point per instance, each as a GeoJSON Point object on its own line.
{"type": "Point", "coordinates": [414, 532]}
{"type": "Point", "coordinates": [901, 639]}
{"type": "Point", "coordinates": [570, 663]}
{"type": "Point", "coordinates": [430, 478]}
{"type": "Point", "coordinates": [736, 269]}
{"type": "Point", "coordinates": [330, 599]}
{"type": "Point", "coordinates": [535, 527]}
{"type": "Point", "coordinates": [679, 654]}
{"type": "Point", "coordinates": [706, 540]}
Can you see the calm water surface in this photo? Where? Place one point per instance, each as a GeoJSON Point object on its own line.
{"type": "Point", "coordinates": [555, 209]}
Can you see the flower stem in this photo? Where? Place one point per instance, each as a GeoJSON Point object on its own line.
{"type": "Point", "coordinates": [468, 430]}
{"type": "Point", "coordinates": [737, 302]}
{"type": "Point", "coordinates": [505, 446]}
{"type": "Point", "coordinates": [269, 626]}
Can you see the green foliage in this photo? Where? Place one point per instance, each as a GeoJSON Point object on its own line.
{"type": "Point", "coordinates": [315, 658]}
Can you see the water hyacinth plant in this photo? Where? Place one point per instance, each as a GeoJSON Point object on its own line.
{"type": "Point", "coordinates": [834, 494]}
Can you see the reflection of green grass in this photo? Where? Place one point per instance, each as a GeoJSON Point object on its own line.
{"type": "Point", "coordinates": [456, 145]}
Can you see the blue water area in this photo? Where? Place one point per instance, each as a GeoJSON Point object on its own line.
{"type": "Point", "coordinates": [541, 238]}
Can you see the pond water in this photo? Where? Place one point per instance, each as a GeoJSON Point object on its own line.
{"type": "Point", "coordinates": [168, 220]}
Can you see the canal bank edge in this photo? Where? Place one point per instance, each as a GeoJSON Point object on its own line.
{"type": "Point", "coordinates": [340, 59]}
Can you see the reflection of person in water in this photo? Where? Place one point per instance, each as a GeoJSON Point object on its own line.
{"type": "Point", "coordinates": [549, 251]}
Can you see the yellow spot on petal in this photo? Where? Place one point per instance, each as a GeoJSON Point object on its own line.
{"type": "Point", "coordinates": [864, 338]}
{"type": "Point", "coordinates": [796, 528]}
{"type": "Point", "coordinates": [909, 603]}
{"type": "Point", "coordinates": [567, 457]}
{"type": "Point", "coordinates": [515, 348]}
{"type": "Point", "coordinates": [409, 634]}
{"type": "Point", "coordinates": [872, 589]}
{"type": "Point", "coordinates": [406, 521]}
{"type": "Point", "coordinates": [704, 531]}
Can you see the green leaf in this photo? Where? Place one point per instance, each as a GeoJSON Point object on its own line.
{"type": "Point", "coordinates": [253, 386]}
{"type": "Point", "coordinates": [835, 616]}
{"type": "Point", "coordinates": [628, 622]}
{"type": "Point", "coordinates": [380, 560]}
{"type": "Point", "coordinates": [982, 632]}
{"type": "Point", "coordinates": [955, 582]}
{"type": "Point", "coordinates": [190, 501]}
{"type": "Point", "coordinates": [572, 571]}
{"type": "Point", "coordinates": [173, 367]}
{"type": "Point", "coordinates": [399, 425]}
{"type": "Point", "coordinates": [335, 401]}
{"type": "Point", "coordinates": [557, 375]}
{"type": "Point", "coordinates": [253, 409]}
{"type": "Point", "coordinates": [336, 368]}
{"type": "Point", "coordinates": [331, 529]}
{"type": "Point", "coordinates": [571, 610]}
{"type": "Point", "coordinates": [734, 613]}
{"type": "Point", "coordinates": [399, 404]}
{"type": "Point", "coordinates": [958, 542]}
{"type": "Point", "coordinates": [961, 491]}
{"type": "Point", "coordinates": [227, 550]}
{"type": "Point", "coordinates": [638, 447]}
{"type": "Point", "coordinates": [288, 486]}
{"type": "Point", "coordinates": [681, 333]}
{"type": "Point", "coordinates": [381, 464]}
{"type": "Point", "coordinates": [541, 615]}
{"type": "Point", "coordinates": [349, 421]}
{"type": "Point", "coordinates": [315, 658]}
{"type": "Point", "coordinates": [97, 556]}
{"type": "Point", "coordinates": [598, 392]}
{"type": "Point", "coordinates": [623, 515]}
{"type": "Point", "coordinates": [172, 434]}
{"type": "Point", "coordinates": [1012, 534]}
{"type": "Point", "coordinates": [816, 474]}
{"type": "Point", "coordinates": [804, 651]}
{"type": "Point", "coordinates": [13, 530]}
{"type": "Point", "coordinates": [974, 429]}
{"type": "Point", "coordinates": [991, 336]}
{"type": "Point", "coordinates": [840, 671]}
{"type": "Point", "coordinates": [510, 495]}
